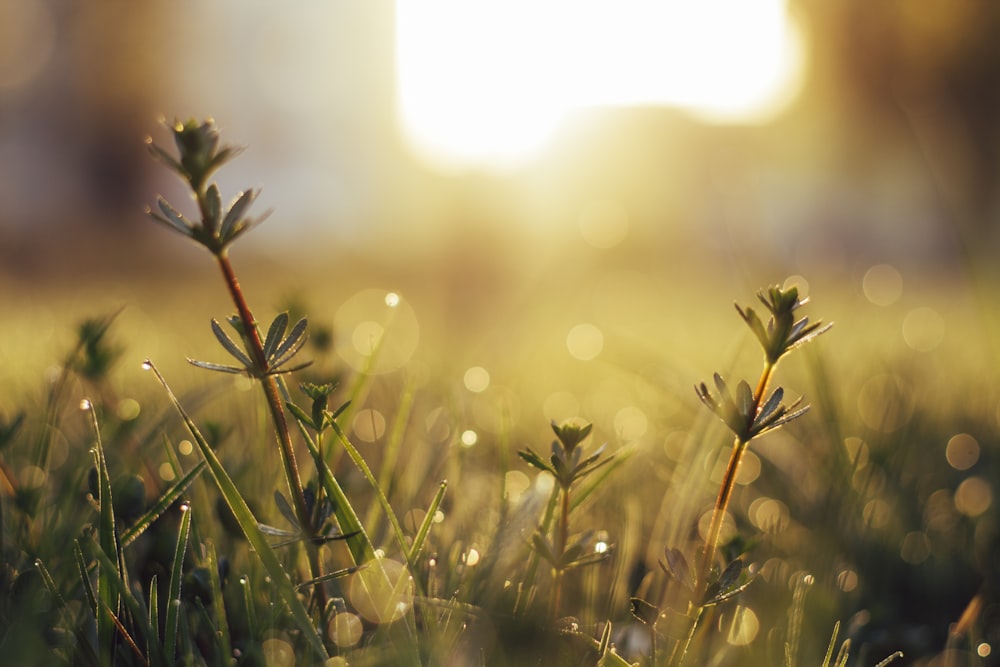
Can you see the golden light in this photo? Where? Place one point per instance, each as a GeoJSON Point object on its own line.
{"type": "Point", "coordinates": [485, 82]}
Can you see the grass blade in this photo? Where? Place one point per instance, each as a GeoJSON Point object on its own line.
{"type": "Point", "coordinates": [174, 597]}
{"type": "Point", "coordinates": [108, 600]}
{"type": "Point", "coordinates": [154, 617]}
{"type": "Point", "coordinates": [218, 602]}
{"type": "Point", "coordinates": [248, 524]}
{"type": "Point", "coordinates": [425, 525]}
{"type": "Point", "coordinates": [359, 461]}
{"type": "Point", "coordinates": [359, 543]}
{"type": "Point", "coordinates": [161, 506]}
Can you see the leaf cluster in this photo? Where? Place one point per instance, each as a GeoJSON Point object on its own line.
{"type": "Point", "coordinates": [782, 332]}
{"type": "Point", "coordinates": [566, 462]}
{"type": "Point", "coordinates": [199, 156]}
{"type": "Point", "coordinates": [740, 412]}
{"type": "Point", "coordinates": [279, 348]}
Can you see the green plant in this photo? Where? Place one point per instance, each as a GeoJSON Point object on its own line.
{"type": "Point", "coordinates": [568, 466]}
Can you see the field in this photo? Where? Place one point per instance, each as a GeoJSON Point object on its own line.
{"type": "Point", "coordinates": [863, 527]}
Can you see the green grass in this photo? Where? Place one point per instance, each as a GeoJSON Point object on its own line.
{"type": "Point", "coordinates": [167, 527]}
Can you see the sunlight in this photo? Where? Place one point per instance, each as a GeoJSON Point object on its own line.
{"type": "Point", "coordinates": [487, 82]}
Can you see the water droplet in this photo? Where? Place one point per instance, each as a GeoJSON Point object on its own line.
{"type": "Point", "coordinates": [85, 404]}
{"type": "Point", "coordinates": [808, 580]}
{"type": "Point", "coordinates": [38, 562]}
{"type": "Point", "coordinates": [392, 299]}
{"type": "Point", "coordinates": [601, 547]}
{"type": "Point", "coordinates": [243, 581]}
{"type": "Point", "coordinates": [469, 438]}
{"type": "Point", "coordinates": [472, 558]}
{"type": "Point", "coordinates": [147, 365]}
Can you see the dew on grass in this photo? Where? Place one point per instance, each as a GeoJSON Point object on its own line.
{"type": "Point", "coordinates": [469, 438]}
{"type": "Point", "coordinates": [472, 557]}
{"type": "Point", "coordinates": [86, 405]}
{"type": "Point", "coordinates": [185, 447]}
{"type": "Point", "coordinates": [983, 650]}
{"type": "Point", "coordinates": [185, 506]}
{"type": "Point", "coordinates": [601, 547]}
{"type": "Point", "coordinates": [962, 451]}
{"type": "Point", "coordinates": [392, 299]}
{"type": "Point", "coordinates": [147, 365]}
{"type": "Point", "coordinates": [381, 592]}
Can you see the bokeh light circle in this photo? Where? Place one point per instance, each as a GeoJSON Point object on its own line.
{"type": "Point", "coordinates": [585, 341]}
{"type": "Point", "coordinates": [381, 591]}
{"type": "Point", "coordinates": [882, 285]}
{"type": "Point", "coordinates": [377, 331]}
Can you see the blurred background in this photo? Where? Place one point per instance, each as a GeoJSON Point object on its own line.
{"type": "Point", "coordinates": [803, 133]}
{"type": "Point", "coordinates": [563, 183]}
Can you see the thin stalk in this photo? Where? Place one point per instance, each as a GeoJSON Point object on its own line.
{"type": "Point", "coordinates": [728, 483]}
{"type": "Point", "coordinates": [562, 537]}
{"type": "Point", "coordinates": [274, 403]}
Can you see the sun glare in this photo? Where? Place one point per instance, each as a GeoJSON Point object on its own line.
{"type": "Point", "coordinates": [485, 82]}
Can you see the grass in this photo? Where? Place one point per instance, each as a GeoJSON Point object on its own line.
{"type": "Point", "coordinates": [382, 506]}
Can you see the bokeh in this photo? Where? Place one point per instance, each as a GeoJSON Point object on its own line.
{"type": "Point", "coordinates": [547, 209]}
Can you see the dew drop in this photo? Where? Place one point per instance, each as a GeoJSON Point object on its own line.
{"type": "Point", "coordinates": [147, 365]}
{"type": "Point", "coordinates": [243, 581]}
{"type": "Point", "coordinates": [392, 299]}
{"type": "Point", "coordinates": [185, 506]}
{"type": "Point", "coordinates": [85, 404]}
{"type": "Point", "coordinates": [601, 547]}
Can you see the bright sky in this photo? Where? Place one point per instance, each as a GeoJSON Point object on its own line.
{"type": "Point", "coordinates": [487, 82]}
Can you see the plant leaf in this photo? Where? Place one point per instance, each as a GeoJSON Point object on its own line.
{"type": "Point", "coordinates": [274, 334]}
{"type": "Point", "coordinates": [248, 524]}
{"type": "Point", "coordinates": [231, 345]}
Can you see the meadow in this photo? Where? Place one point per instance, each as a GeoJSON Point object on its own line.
{"type": "Point", "coordinates": [495, 464]}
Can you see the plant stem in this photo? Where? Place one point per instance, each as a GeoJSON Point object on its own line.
{"type": "Point", "coordinates": [271, 393]}
{"type": "Point", "coordinates": [562, 537]}
{"type": "Point", "coordinates": [728, 483]}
